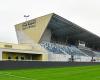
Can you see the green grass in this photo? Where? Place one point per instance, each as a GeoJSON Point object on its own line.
{"type": "Point", "coordinates": [65, 73]}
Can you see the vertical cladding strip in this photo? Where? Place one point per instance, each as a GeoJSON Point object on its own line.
{"type": "Point", "coordinates": [44, 57]}
{"type": "Point", "coordinates": [1, 54]}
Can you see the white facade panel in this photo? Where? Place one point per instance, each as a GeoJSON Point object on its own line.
{"type": "Point", "coordinates": [82, 58]}
{"type": "Point", "coordinates": [58, 57]}
{"type": "Point", "coordinates": [0, 54]}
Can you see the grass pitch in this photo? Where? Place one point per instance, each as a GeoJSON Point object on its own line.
{"type": "Point", "coordinates": [65, 73]}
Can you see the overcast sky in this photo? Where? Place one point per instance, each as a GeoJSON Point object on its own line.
{"type": "Point", "coordinates": [85, 13]}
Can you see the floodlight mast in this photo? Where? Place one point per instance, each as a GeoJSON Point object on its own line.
{"type": "Point", "coordinates": [26, 16]}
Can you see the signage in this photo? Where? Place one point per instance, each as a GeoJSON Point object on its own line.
{"type": "Point", "coordinates": [28, 24]}
{"type": "Point", "coordinates": [8, 46]}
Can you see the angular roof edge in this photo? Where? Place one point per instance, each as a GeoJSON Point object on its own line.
{"type": "Point", "coordinates": [73, 24]}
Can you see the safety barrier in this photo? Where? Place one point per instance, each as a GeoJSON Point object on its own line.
{"type": "Point", "coordinates": [41, 64]}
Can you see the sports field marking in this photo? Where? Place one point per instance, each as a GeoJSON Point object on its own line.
{"type": "Point", "coordinates": [11, 75]}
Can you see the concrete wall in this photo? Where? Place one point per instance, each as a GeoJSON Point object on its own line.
{"type": "Point", "coordinates": [46, 36]}
{"type": "Point", "coordinates": [27, 56]}
{"type": "Point", "coordinates": [38, 64]}
{"type": "Point", "coordinates": [4, 53]}
{"type": "Point", "coordinates": [32, 33]}
{"type": "Point", "coordinates": [15, 46]}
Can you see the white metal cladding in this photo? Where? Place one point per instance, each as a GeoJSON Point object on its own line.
{"type": "Point", "coordinates": [58, 57]}
{"type": "Point", "coordinates": [0, 54]}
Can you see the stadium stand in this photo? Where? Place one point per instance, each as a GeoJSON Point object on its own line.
{"type": "Point", "coordinates": [87, 51]}
{"type": "Point", "coordinates": [58, 48]}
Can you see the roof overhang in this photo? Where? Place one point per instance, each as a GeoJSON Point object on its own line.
{"type": "Point", "coordinates": [63, 27]}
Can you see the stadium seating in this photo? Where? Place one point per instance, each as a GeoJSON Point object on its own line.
{"type": "Point", "coordinates": [87, 51]}
{"type": "Point", "coordinates": [58, 49]}
{"type": "Point", "coordinates": [97, 54]}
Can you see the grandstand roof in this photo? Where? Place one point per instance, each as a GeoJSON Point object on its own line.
{"type": "Point", "coordinates": [63, 27]}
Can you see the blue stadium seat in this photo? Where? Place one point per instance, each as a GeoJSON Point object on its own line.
{"type": "Point", "coordinates": [58, 49]}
